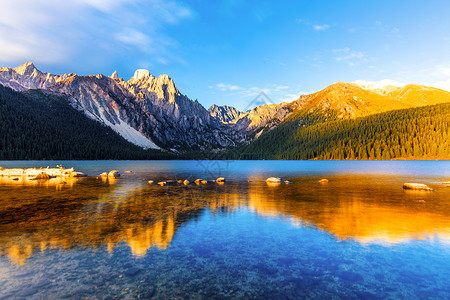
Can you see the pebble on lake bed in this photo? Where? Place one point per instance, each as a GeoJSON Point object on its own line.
{"type": "Point", "coordinates": [416, 187]}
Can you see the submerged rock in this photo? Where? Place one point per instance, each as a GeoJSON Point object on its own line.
{"type": "Point", "coordinates": [186, 182]}
{"type": "Point", "coordinates": [220, 179]}
{"type": "Point", "coordinates": [162, 183]}
{"type": "Point", "coordinates": [416, 187]}
{"type": "Point", "coordinates": [150, 182]}
{"type": "Point", "coordinates": [323, 180]}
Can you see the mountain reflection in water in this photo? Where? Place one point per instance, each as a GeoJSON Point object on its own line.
{"type": "Point", "coordinates": [92, 212]}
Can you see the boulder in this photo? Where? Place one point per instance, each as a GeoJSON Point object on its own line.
{"type": "Point", "coordinates": [204, 182]}
{"type": "Point", "coordinates": [114, 173]}
{"type": "Point", "coordinates": [416, 187]}
{"type": "Point", "coordinates": [42, 175]}
{"type": "Point", "coordinates": [274, 180]}
{"type": "Point", "coordinates": [323, 180]}
{"type": "Point", "coordinates": [198, 181]}
{"type": "Point", "coordinates": [186, 182]}
{"type": "Point", "coordinates": [162, 183]}
{"type": "Point", "coordinates": [104, 174]}
{"type": "Point", "coordinates": [150, 182]}
{"type": "Point", "coordinates": [77, 174]}
{"type": "Point", "coordinates": [220, 179]}
{"type": "Point", "coordinates": [288, 182]}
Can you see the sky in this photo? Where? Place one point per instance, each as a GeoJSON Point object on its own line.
{"type": "Point", "coordinates": [228, 52]}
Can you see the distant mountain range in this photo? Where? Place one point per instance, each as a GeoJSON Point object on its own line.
{"type": "Point", "coordinates": [151, 112]}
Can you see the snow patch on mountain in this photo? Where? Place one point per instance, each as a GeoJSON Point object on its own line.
{"type": "Point", "coordinates": [372, 85]}
{"type": "Point", "coordinates": [133, 136]}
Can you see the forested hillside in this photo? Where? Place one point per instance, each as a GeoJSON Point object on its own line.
{"type": "Point", "coordinates": [415, 132]}
{"type": "Point", "coordinates": [34, 125]}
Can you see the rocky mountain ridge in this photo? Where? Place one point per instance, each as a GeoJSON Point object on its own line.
{"type": "Point", "coordinates": [146, 110]}
{"type": "Point", "coordinates": [151, 112]}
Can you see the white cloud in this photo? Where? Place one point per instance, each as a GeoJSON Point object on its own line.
{"type": "Point", "coordinates": [444, 85]}
{"type": "Point", "coordinates": [316, 27]}
{"type": "Point", "coordinates": [348, 56]}
{"type": "Point", "coordinates": [225, 87]}
{"type": "Point", "coordinates": [321, 27]}
{"type": "Point", "coordinates": [135, 38]}
{"type": "Point", "coordinates": [54, 31]}
{"type": "Point", "coordinates": [445, 70]}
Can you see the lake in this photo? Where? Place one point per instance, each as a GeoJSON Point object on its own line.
{"type": "Point", "coordinates": [359, 236]}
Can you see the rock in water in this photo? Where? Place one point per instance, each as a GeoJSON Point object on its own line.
{"type": "Point", "coordinates": [323, 180]}
{"type": "Point", "coordinates": [274, 180]}
{"type": "Point", "coordinates": [114, 173]}
{"type": "Point", "coordinates": [42, 175]}
{"type": "Point", "coordinates": [417, 187]}
{"type": "Point", "coordinates": [186, 182]}
{"type": "Point", "coordinates": [220, 179]}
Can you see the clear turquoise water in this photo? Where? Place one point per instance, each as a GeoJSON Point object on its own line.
{"type": "Point", "coordinates": [360, 236]}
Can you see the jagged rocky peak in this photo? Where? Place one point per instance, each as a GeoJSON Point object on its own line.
{"type": "Point", "coordinates": [225, 114]}
{"type": "Point", "coordinates": [26, 69]}
{"type": "Point", "coordinates": [140, 74]}
{"type": "Point", "coordinates": [114, 75]}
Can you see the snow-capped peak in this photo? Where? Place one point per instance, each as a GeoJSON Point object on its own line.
{"type": "Point", "coordinates": [371, 85]}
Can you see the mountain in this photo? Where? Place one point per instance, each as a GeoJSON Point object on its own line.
{"type": "Point", "coordinates": [36, 124]}
{"type": "Point", "coordinates": [146, 110]}
{"type": "Point", "coordinates": [225, 114]}
{"type": "Point", "coordinates": [348, 117]}
{"type": "Point", "coordinates": [152, 113]}
{"type": "Point", "coordinates": [420, 132]}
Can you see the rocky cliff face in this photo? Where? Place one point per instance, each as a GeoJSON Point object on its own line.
{"type": "Point", "coordinates": [146, 110]}
{"type": "Point", "coordinates": [225, 114]}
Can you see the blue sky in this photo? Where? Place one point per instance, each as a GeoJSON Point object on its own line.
{"type": "Point", "coordinates": [227, 52]}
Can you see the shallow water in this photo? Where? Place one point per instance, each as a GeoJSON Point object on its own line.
{"type": "Point", "coordinates": [358, 236]}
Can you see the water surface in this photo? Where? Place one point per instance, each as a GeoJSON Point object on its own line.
{"type": "Point", "coordinates": [358, 236]}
